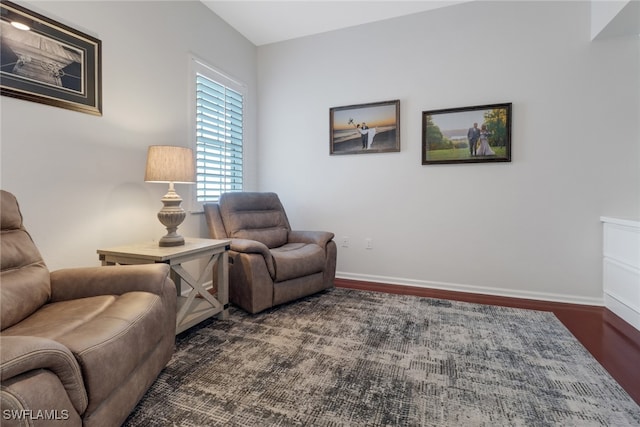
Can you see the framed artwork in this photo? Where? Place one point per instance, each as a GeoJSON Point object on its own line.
{"type": "Point", "coordinates": [467, 135]}
{"type": "Point", "coordinates": [48, 62]}
{"type": "Point", "coordinates": [365, 128]}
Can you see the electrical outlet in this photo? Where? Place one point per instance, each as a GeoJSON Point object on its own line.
{"type": "Point", "coordinates": [345, 242]}
{"type": "Point", "coordinates": [368, 243]}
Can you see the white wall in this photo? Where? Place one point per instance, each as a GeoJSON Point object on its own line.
{"type": "Point", "coordinates": [79, 178]}
{"type": "Point", "coordinates": [528, 228]}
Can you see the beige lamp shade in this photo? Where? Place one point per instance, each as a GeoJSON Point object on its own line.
{"type": "Point", "coordinates": [166, 163]}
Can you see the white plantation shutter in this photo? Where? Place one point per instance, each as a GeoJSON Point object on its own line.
{"type": "Point", "coordinates": [219, 134]}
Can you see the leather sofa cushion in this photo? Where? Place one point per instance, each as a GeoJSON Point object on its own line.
{"type": "Point", "coordinates": [24, 277]}
{"type": "Point", "coordinates": [109, 335]}
{"type": "Point", "coordinates": [255, 216]}
{"type": "Point", "coordinates": [296, 260]}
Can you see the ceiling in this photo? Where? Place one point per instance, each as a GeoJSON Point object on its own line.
{"type": "Point", "coordinates": [270, 21]}
{"type": "Point", "coordinates": [264, 22]}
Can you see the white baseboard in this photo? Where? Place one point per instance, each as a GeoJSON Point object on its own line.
{"type": "Point", "coordinates": [445, 286]}
{"type": "Point", "coordinates": [622, 310]}
{"type": "Point", "coordinates": [455, 287]}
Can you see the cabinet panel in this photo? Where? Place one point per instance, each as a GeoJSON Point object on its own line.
{"type": "Point", "coordinates": [622, 243]}
{"type": "Point", "coordinates": [621, 268]}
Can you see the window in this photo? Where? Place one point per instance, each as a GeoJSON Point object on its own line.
{"type": "Point", "coordinates": [218, 133]}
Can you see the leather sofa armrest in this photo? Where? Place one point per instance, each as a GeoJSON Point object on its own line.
{"type": "Point", "coordinates": [247, 246]}
{"type": "Point", "coordinates": [320, 238]}
{"type": "Point", "coordinates": [250, 247]}
{"type": "Point", "coordinates": [21, 354]}
{"type": "Point", "coordinates": [74, 283]}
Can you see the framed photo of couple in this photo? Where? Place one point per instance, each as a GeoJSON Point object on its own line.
{"type": "Point", "coordinates": [365, 128]}
{"type": "Point", "coordinates": [476, 134]}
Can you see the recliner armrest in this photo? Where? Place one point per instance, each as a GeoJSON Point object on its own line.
{"type": "Point", "coordinates": [21, 354]}
{"type": "Point", "coordinates": [247, 246]}
{"type": "Point", "coordinates": [320, 238]}
{"type": "Point", "coordinates": [74, 283]}
{"type": "Point", "coordinates": [250, 247]}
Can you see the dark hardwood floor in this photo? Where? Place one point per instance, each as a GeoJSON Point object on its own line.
{"type": "Point", "coordinates": [612, 342]}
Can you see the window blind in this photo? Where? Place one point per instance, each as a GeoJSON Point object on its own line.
{"type": "Point", "coordinates": [219, 137]}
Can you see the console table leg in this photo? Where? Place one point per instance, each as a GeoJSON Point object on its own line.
{"type": "Point", "coordinates": [223, 285]}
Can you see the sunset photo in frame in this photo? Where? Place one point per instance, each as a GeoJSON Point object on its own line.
{"type": "Point", "coordinates": [48, 62]}
{"type": "Point", "coordinates": [467, 135]}
{"type": "Point", "coordinates": [365, 128]}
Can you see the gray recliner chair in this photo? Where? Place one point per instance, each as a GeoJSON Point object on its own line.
{"type": "Point", "coordinates": [269, 263]}
{"type": "Point", "coordinates": [79, 346]}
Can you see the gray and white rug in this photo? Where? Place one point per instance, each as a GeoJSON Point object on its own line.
{"type": "Point", "coordinates": [353, 358]}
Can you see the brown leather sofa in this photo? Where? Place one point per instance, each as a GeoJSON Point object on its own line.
{"type": "Point", "coordinates": [269, 263]}
{"type": "Point", "coordinates": [78, 346]}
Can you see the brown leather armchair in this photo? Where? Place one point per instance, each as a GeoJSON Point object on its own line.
{"type": "Point", "coordinates": [78, 346]}
{"type": "Point", "coordinates": [269, 264]}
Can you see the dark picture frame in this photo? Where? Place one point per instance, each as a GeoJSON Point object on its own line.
{"type": "Point", "coordinates": [49, 62]}
{"type": "Point", "coordinates": [365, 128]}
{"type": "Point", "coordinates": [447, 135]}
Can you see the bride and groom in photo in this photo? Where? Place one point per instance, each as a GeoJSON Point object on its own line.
{"type": "Point", "coordinates": [366, 133]}
{"type": "Point", "coordinates": [479, 141]}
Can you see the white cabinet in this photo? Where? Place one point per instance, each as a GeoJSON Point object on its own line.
{"type": "Point", "coordinates": [621, 268]}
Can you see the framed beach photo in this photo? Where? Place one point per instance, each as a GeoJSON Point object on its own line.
{"type": "Point", "coordinates": [467, 135]}
{"type": "Point", "coordinates": [48, 62]}
{"type": "Point", "coordinates": [365, 128]}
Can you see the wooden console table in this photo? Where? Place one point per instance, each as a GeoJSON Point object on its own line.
{"type": "Point", "coordinates": [199, 304]}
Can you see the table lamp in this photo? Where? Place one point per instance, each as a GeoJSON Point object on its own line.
{"type": "Point", "coordinates": [170, 164]}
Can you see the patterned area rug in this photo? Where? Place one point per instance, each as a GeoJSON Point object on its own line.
{"type": "Point", "coordinates": [354, 358]}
